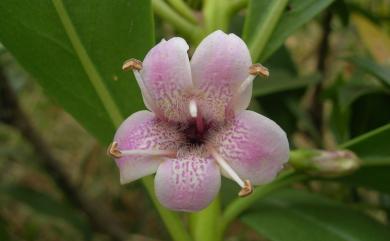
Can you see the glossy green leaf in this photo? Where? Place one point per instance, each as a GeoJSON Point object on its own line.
{"type": "Point", "coordinates": [298, 13]}
{"type": "Point", "coordinates": [75, 49]}
{"type": "Point", "coordinates": [292, 215]}
{"type": "Point", "coordinates": [47, 205]}
{"type": "Point", "coordinates": [379, 71]}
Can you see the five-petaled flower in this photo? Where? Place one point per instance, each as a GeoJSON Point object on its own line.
{"type": "Point", "coordinates": [198, 127]}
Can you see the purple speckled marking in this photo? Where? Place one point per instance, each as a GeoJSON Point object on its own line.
{"type": "Point", "coordinates": [142, 131]}
{"type": "Point", "coordinates": [254, 146]}
{"type": "Point", "coordinates": [192, 186]}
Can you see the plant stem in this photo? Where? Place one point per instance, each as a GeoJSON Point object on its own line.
{"type": "Point", "coordinates": [171, 220]}
{"type": "Point", "coordinates": [204, 224]}
{"type": "Point", "coordinates": [239, 205]}
{"type": "Point", "coordinates": [237, 5]}
{"type": "Point", "coordinates": [216, 15]}
{"type": "Point", "coordinates": [183, 8]}
{"type": "Point", "coordinates": [181, 24]}
{"type": "Point", "coordinates": [317, 108]}
{"type": "Point", "coordinates": [263, 32]}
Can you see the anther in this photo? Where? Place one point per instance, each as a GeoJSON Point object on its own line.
{"type": "Point", "coordinates": [132, 64]}
{"type": "Point", "coordinates": [258, 69]}
{"type": "Point", "coordinates": [246, 190]}
{"type": "Point", "coordinates": [246, 186]}
{"type": "Point", "coordinates": [254, 70]}
{"type": "Point", "coordinates": [135, 65]}
{"type": "Point", "coordinates": [113, 150]}
{"type": "Point", "coordinates": [193, 108]}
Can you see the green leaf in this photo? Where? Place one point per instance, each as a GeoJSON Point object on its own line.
{"type": "Point", "coordinates": [373, 37]}
{"type": "Point", "coordinates": [75, 49]}
{"type": "Point", "coordinates": [291, 215]}
{"type": "Point", "coordinates": [367, 113]}
{"type": "Point", "coordinates": [379, 71]}
{"type": "Point", "coordinates": [372, 177]}
{"type": "Point", "coordinates": [349, 93]}
{"type": "Point", "coordinates": [47, 205]}
{"type": "Point", "coordinates": [373, 149]}
{"type": "Point", "coordinates": [299, 13]}
{"type": "Point", "coordinates": [280, 81]}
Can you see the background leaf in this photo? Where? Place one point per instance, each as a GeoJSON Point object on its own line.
{"type": "Point", "coordinates": [376, 41]}
{"type": "Point", "coordinates": [291, 215]}
{"type": "Point", "coordinates": [44, 204]}
{"type": "Point", "coordinates": [380, 72]}
{"type": "Point", "coordinates": [299, 13]}
{"type": "Point", "coordinates": [75, 49]}
{"type": "Point", "coordinates": [373, 149]}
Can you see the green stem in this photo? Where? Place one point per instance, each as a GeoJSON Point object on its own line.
{"type": "Point", "coordinates": [171, 220]}
{"type": "Point", "coordinates": [204, 224]}
{"type": "Point", "coordinates": [181, 24]}
{"type": "Point", "coordinates": [216, 15]}
{"type": "Point", "coordinates": [237, 5]}
{"type": "Point", "coordinates": [264, 30]}
{"type": "Point", "coordinates": [184, 10]}
{"type": "Point", "coordinates": [239, 205]}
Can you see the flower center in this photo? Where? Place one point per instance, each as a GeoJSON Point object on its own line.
{"type": "Point", "coordinates": [194, 135]}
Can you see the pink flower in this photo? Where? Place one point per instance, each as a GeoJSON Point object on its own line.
{"type": "Point", "coordinates": [197, 127]}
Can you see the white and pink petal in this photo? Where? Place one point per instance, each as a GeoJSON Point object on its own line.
{"type": "Point", "coordinates": [254, 146]}
{"type": "Point", "coordinates": [166, 76]}
{"type": "Point", "coordinates": [219, 66]}
{"type": "Point", "coordinates": [143, 131]}
{"type": "Point", "coordinates": [188, 183]}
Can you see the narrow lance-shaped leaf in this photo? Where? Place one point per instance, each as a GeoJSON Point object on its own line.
{"type": "Point", "coordinates": [75, 49]}
{"type": "Point", "coordinates": [373, 149]}
{"type": "Point", "coordinates": [298, 13]}
{"type": "Point", "coordinates": [377, 70]}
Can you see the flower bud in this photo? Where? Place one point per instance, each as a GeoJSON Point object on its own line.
{"type": "Point", "coordinates": [325, 163]}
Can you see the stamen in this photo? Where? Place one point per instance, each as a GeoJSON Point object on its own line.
{"type": "Point", "coordinates": [258, 69]}
{"type": "Point", "coordinates": [246, 186]}
{"type": "Point", "coordinates": [254, 70]}
{"type": "Point", "coordinates": [114, 151]}
{"type": "Point", "coordinates": [132, 64]}
{"type": "Point", "coordinates": [193, 109]}
{"type": "Point", "coordinates": [135, 65]}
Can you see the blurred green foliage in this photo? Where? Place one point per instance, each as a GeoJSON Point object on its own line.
{"type": "Point", "coordinates": [329, 88]}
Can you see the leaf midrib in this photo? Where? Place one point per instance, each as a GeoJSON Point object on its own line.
{"type": "Point", "coordinates": [93, 75]}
